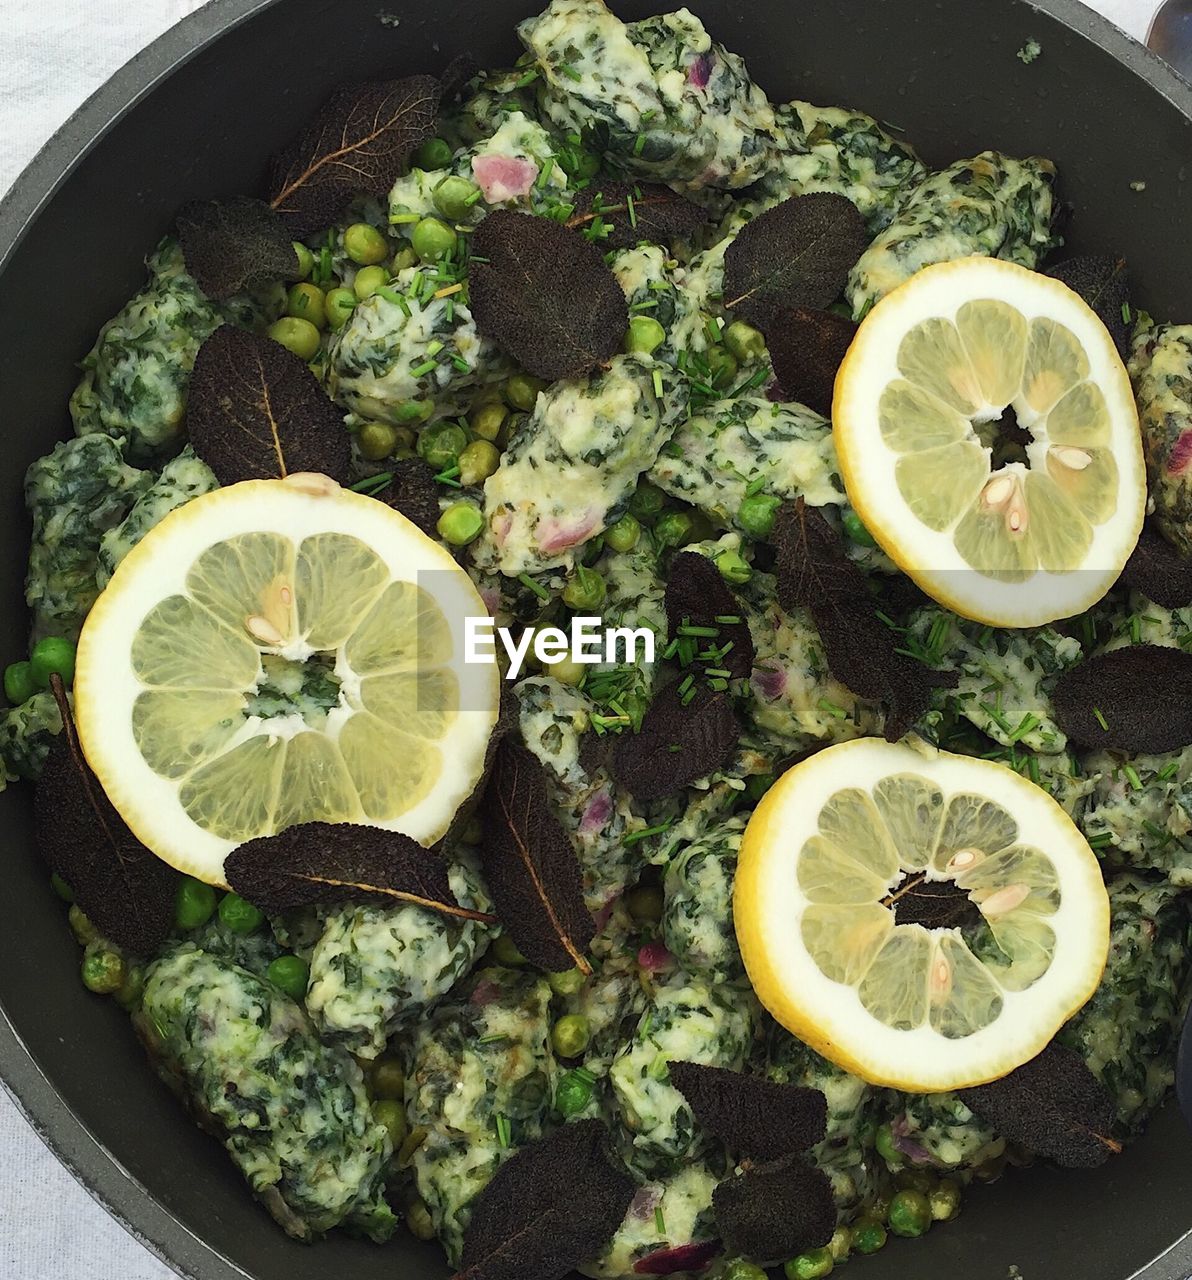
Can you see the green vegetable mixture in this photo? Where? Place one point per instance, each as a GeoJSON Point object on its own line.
{"type": "Point", "coordinates": [365, 1064]}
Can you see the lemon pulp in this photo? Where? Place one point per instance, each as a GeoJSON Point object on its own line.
{"type": "Point", "coordinates": [270, 656]}
{"type": "Point", "coordinates": [836, 849]}
{"type": "Point", "coordinates": [933, 368]}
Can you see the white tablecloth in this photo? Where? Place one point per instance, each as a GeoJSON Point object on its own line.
{"type": "Point", "coordinates": [52, 55]}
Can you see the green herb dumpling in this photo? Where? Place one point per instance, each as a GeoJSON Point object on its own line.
{"type": "Point", "coordinates": [659, 97]}
{"type": "Point", "coordinates": [291, 1111]}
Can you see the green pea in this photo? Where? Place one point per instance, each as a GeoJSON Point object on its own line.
{"type": "Point", "coordinates": [572, 1093]}
{"type": "Point", "coordinates": [419, 1223]}
{"type": "Point", "coordinates": [741, 1269]}
{"type": "Point", "coordinates": [734, 567]}
{"type": "Point", "coordinates": [403, 259]}
{"type": "Point", "coordinates": [442, 444]}
{"type": "Point", "coordinates": [368, 281]}
{"type": "Point", "coordinates": [52, 656]}
{"type": "Point", "coordinates": [194, 903]}
{"type": "Point", "coordinates": [722, 367]}
{"type": "Point", "coordinates": [840, 1244]}
{"type": "Point", "coordinates": [910, 1214]}
{"type": "Point", "coordinates": [645, 903]}
{"type": "Point", "coordinates": [61, 888]}
{"type": "Point", "coordinates": [306, 260]}
{"type": "Point", "coordinates": [376, 440]}
{"type": "Point", "coordinates": [339, 305]}
{"type": "Point", "coordinates": [103, 970]}
{"type": "Point", "coordinates": [473, 832]}
{"type": "Point", "coordinates": [571, 1035]}
{"type": "Point", "coordinates": [19, 685]}
{"type": "Point", "coordinates": [307, 302]}
{"type": "Point", "coordinates": [432, 239]}
{"type": "Point", "coordinates": [647, 503]}
{"type": "Point", "coordinates": [433, 154]}
{"type": "Point", "coordinates": [585, 590]}
{"type": "Point", "coordinates": [884, 1142]}
{"type": "Point", "coordinates": [868, 1235]}
{"type": "Point", "coordinates": [674, 529]}
{"type": "Point", "coordinates": [128, 997]}
{"type": "Point", "coordinates": [290, 974]}
{"type": "Point", "coordinates": [414, 410]}
{"type": "Point", "coordinates": [478, 461]}
{"type": "Point", "coordinates": [238, 916]}
{"type": "Point", "coordinates": [945, 1201]}
{"type": "Point", "coordinates": [299, 336]}
{"type": "Point", "coordinates": [568, 983]}
{"type": "Point", "coordinates": [623, 535]}
{"type": "Point", "coordinates": [82, 928]}
{"type": "Point", "coordinates": [645, 335]}
{"type": "Point", "coordinates": [521, 391]}
{"type": "Point", "coordinates": [855, 529]}
{"type": "Point", "coordinates": [756, 514]}
{"type": "Point", "coordinates": [460, 524]}
{"type": "Point", "coordinates": [812, 1265]}
{"type": "Point", "coordinates": [388, 1080]}
{"type": "Point", "coordinates": [454, 197]}
{"type": "Point", "coordinates": [488, 419]}
{"type": "Point", "coordinates": [392, 1115]}
{"type": "Point", "coordinates": [504, 951]}
{"type": "Point", "coordinates": [365, 245]}
{"type": "Point", "coordinates": [566, 671]}
{"type": "Point", "coordinates": [744, 342]}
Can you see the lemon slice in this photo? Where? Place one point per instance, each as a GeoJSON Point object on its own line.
{"type": "Point", "coordinates": [932, 368]}
{"type": "Point", "coordinates": [279, 652]}
{"type": "Point", "coordinates": [825, 894]}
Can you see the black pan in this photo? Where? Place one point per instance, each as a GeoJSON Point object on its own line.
{"type": "Point", "coordinates": [196, 115]}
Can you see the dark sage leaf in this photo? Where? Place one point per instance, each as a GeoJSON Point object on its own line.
{"type": "Point", "coordinates": [619, 215]}
{"type": "Point", "coordinates": [545, 295]}
{"type": "Point", "coordinates": [696, 592]}
{"type": "Point", "coordinates": [935, 904]}
{"type": "Point", "coordinates": [412, 491]}
{"type": "Point", "coordinates": [126, 891]}
{"type": "Point", "coordinates": [807, 348]}
{"type": "Point", "coordinates": [1104, 283]}
{"type": "Point", "coordinates": [815, 573]}
{"type": "Point", "coordinates": [233, 245]}
{"type": "Point", "coordinates": [1052, 1105]}
{"type": "Point", "coordinates": [678, 743]}
{"type": "Point", "coordinates": [1159, 571]}
{"type": "Point", "coordinates": [358, 144]}
{"type": "Point", "coordinates": [256, 412]}
{"type": "Point", "coordinates": [1137, 699]}
{"type": "Point", "coordinates": [797, 254]}
{"type": "Point", "coordinates": [530, 865]}
{"type": "Point", "coordinates": [552, 1206]}
{"type": "Point", "coordinates": [319, 863]}
{"type": "Point", "coordinates": [756, 1118]}
{"type": "Point", "coordinates": [775, 1211]}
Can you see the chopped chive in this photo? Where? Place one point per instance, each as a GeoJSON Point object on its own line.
{"type": "Point", "coordinates": [639, 144]}
{"type": "Point", "coordinates": [659, 1221]}
{"type": "Point", "coordinates": [528, 78]}
{"type": "Point", "coordinates": [570, 72]}
{"type": "Point", "coordinates": [372, 484]}
{"type": "Point", "coordinates": [686, 684]}
{"type": "Point", "coordinates": [722, 672]}
{"type": "Point", "coordinates": [1132, 777]}
{"type": "Point", "coordinates": [402, 219]}
{"type": "Point", "coordinates": [1101, 719]}
{"type": "Point", "coordinates": [996, 716]}
{"type": "Point", "coordinates": [728, 620]}
{"type": "Point", "coordinates": [425, 367]}
{"type": "Point", "coordinates": [540, 591]}
{"type": "Point", "coordinates": [503, 1130]}
{"type": "Point", "coordinates": [634, 836]}
{"type": "Point", "coordinates": [632, 211]}
{"type": "Point", "coordinates": [1025, 725]}
{"type": "Point", "coordinates": [707, 632]}
{"type": "Point", "coordinates": [658, 383]}
{"type": "Point", "coordinates": [1168, 771]}
{"type": "Point", "coordinates": [832, 709]}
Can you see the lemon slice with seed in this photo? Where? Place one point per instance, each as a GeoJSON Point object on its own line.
{"type": "Point", "coordinates": [919, 406]}
{"type": "Point", "coordinates": [280, 652]}
{"type": "Point", "coordinates": [824, 904]}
